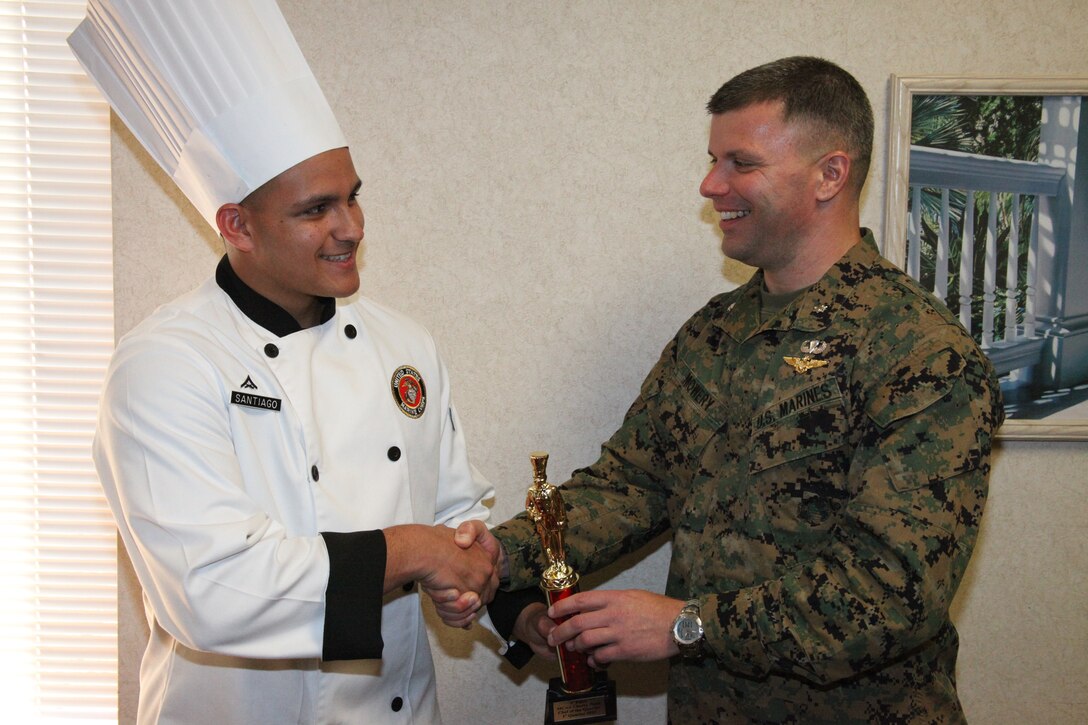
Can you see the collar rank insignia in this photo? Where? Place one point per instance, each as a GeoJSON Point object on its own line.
{"type": "Point", "coordinates": [808, 349]}
{"type": "Point", "coordinates": [409, 392]}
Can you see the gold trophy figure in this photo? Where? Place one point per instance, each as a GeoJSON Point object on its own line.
{"type": "Point", "coordinates": [579, 696]}
{"type": "Point", "coordinates": [545, 506]}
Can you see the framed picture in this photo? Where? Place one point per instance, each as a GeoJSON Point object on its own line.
{"type": "Point", "coordinates": [987, 206]}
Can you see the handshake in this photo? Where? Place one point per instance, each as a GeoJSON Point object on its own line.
{"type": "Point", "coordinates": [470, 575]}
{"type": "Point", "coordinates": [459, 569]}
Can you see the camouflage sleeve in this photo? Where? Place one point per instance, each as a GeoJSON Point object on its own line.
{"type": "Point", "coordinates": [613, 506]}
{"type": "Point", "coordinates": [883, 585]}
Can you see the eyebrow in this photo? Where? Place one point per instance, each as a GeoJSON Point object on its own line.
{"type": "Point", "coordinates": [318, 199]}
{"type": "Point", "coordinates": [731, 154]}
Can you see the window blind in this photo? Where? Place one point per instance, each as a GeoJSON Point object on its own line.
{"type": "Point", "coordinates": [58, 592]}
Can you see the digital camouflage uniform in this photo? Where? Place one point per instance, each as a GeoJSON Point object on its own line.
{"type": "Point", "coordinates": [823, 518]}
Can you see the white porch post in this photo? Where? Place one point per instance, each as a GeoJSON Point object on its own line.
{"type": "Point", "coordinates": [1061, 309]}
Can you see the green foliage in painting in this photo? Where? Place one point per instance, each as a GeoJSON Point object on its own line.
{"type": "Point", "coordinates": [1000, 126]}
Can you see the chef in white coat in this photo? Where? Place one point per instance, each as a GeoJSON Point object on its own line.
{"type": "Point", "coordinates": [276, 462]}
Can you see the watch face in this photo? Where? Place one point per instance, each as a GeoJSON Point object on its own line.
{"type": "Point", "coordinates": [688, 630]}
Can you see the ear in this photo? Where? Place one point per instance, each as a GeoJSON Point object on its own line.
{"type": "Point", "coordinates": [834, 170]}
{"type": "Point", "coordinates": [231, 220]}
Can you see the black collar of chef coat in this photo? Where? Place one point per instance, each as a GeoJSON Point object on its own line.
{"type": "Point", "coordinates": [259, 308]}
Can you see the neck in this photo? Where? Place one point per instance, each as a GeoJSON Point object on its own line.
{"type": "Point", "coordinates": [310, 316]}
{"type": "Point", "coordinates": [816, 253]}
{"type": "Point", "coordinates": [274, 314]}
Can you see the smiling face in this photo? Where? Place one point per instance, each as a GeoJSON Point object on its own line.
{"type": "Point", "coordinates": [763, 182]}
{"type": "Point", "coordinates": [298, 234]}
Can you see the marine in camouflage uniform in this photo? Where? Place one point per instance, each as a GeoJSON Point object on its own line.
{"type": "Point", "coordinates": [823, 515]}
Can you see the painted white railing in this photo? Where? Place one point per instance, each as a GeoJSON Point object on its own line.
{"type": "Point", "coordinates": [1016, 345]}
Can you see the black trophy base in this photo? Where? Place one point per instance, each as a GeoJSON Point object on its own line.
{"type": "Point", "coordinates": [597, 704]}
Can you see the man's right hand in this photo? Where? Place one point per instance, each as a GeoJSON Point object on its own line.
{"type": "Point", "coordinates": [458, 608]}
{"type": "Point", "coordinates": [431, 556]}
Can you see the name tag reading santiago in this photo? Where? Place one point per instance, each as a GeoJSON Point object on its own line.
{"type": "Point", "coordinates": [254, 401]}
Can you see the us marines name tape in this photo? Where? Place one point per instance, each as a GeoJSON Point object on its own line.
{"type": "Point", "coordinates": [806, 398]}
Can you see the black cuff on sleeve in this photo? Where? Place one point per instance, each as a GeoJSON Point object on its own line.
{"type": "Point", "coordinates": [518, 654]}
{"type": "Point", "coordinates": [353, 598]}
{"type": "Point", "coordinates": [504, 610]}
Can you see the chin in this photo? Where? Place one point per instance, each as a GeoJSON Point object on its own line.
{"type": "Point", "coordinates": [737, 252]}
{"type": "Point", "coordinates": [346, 292]}
{"type": "Point", "coordinates": [344, 287]}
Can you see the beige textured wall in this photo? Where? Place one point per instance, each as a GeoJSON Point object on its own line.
{"type": "Point", "coordinates": [530, 184]}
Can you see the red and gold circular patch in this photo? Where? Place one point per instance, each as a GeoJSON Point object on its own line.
{"type": "Point", "coordinates": [409, 392]}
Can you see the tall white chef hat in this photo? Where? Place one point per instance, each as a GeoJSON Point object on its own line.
{"type": "Point", "coordinates": [217, 91]}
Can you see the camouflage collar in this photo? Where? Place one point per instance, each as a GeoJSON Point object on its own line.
{"type": "Point", "coordinates": [813, 309]}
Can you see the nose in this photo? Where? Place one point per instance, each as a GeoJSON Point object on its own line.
{"type": "Point", "coordinates": [714, 183]}
{"type": "Point", "coordinates": [351, 223]}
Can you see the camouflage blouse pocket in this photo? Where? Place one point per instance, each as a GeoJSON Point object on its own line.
{"type": "Point", "coordinates": [799, 457]}
{"type": "Point", "coordinates": [802, 421]}
{"type": "Point", "coordinates": [929, 420]}
{"type": "Point", "coordinates": [685, 414]}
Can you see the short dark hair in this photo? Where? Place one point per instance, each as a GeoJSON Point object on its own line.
{"type": "Point", "coordinates": [813, 91]}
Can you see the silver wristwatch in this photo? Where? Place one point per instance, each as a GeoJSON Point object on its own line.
{"type": "Point", "coordinates": [687, 629]}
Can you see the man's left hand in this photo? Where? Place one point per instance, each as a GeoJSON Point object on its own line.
{"type": "Point", "coordinates": [611, 625]}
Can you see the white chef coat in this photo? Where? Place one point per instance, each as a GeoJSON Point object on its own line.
{"type": "Point", "coordinates": [221, 504]}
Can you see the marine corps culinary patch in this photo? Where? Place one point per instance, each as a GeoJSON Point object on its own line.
{"type": "Point", "coordinates": [409, 392]}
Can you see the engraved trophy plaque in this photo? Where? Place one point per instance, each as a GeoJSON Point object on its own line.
{"type": "Point", "coordinates": [581, 694]}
